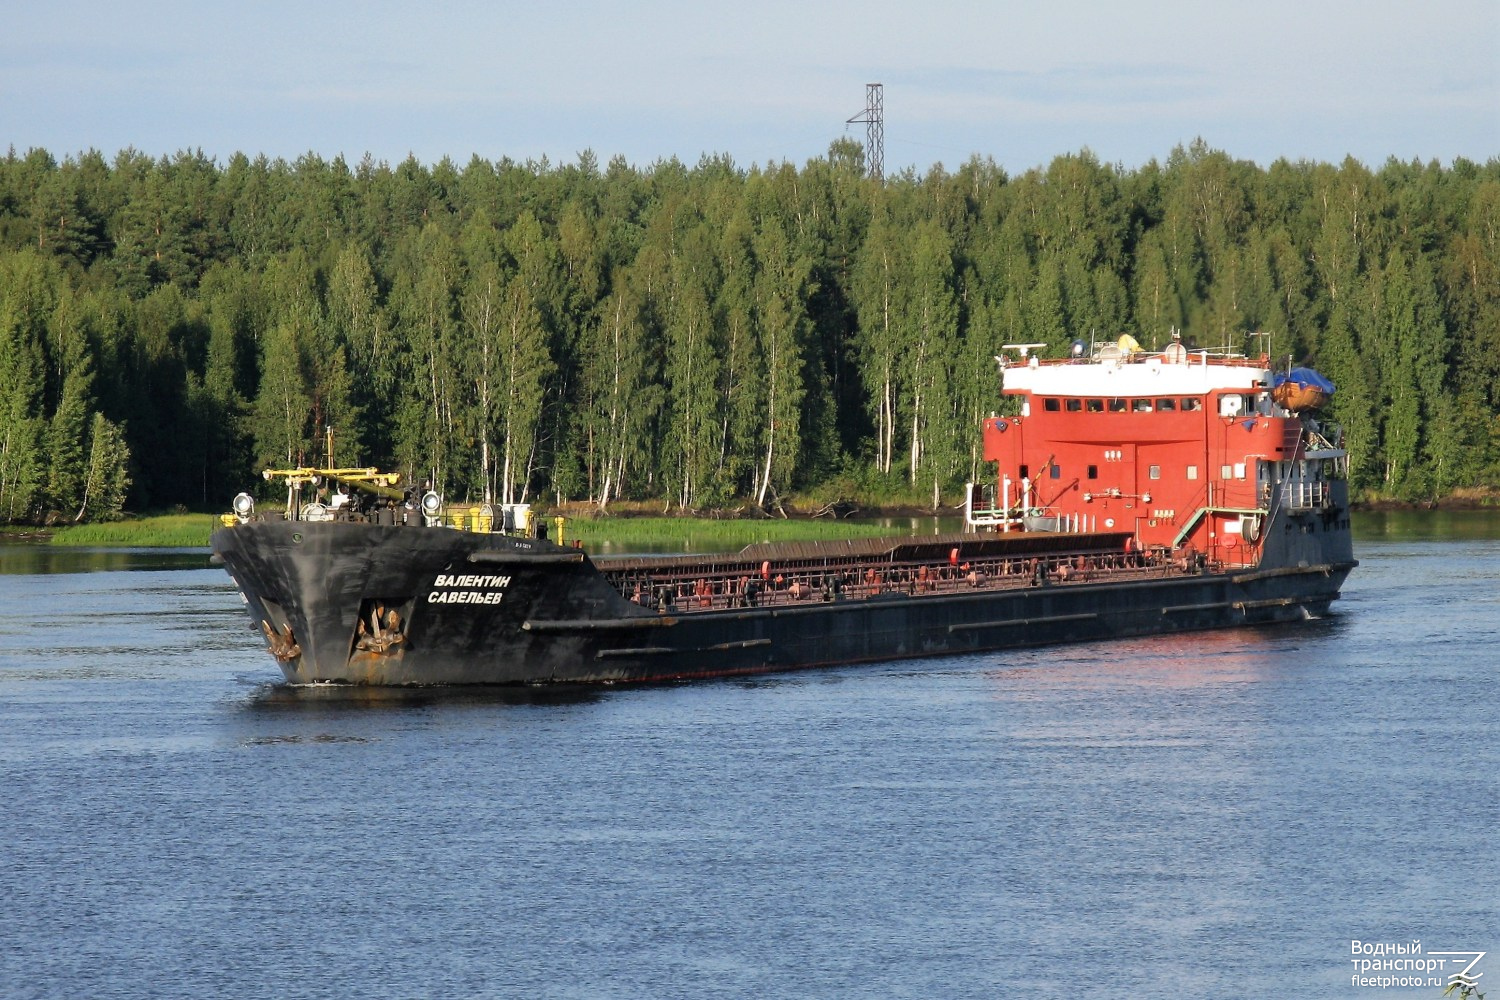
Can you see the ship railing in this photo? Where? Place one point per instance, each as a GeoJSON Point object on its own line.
{"type": "Point", "coordinates": [1111, 354]}
{"type": "Point", "coordinates": [679, 592]}
{"type": "Point", "coordinates": [992, 518]}
{"type": "Point", "coordinates": [984, 511]}
{"type": "Point", "coordinates": [1305, 494]}
{"type": "Point", "coordinates": [483, 519]}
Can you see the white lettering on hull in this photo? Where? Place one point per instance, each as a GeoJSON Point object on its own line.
{"type": "Point", "coordinates": [479, 588]}
{"type": "Point", "coordinates": [477, 580]}
{"type": "Point", "coordinates": [465, 597]}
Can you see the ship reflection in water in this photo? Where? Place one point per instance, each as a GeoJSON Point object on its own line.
{"type": "Point", "coordinates": [272, 697]}
{"type": "Point", "coordinates": [1195, 660]}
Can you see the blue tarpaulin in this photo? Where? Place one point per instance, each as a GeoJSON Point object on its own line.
{"type": "Point", "coordinates": [1304, 377]}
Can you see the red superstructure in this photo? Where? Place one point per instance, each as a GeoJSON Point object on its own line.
{"type": "Point", "coordinates": [1184, 449]}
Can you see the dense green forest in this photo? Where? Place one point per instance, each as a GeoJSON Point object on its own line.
{"type": "Point", "coordinates": [697, 336]}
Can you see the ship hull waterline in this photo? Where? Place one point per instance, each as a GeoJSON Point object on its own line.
{"type": "Point", "coordinates": [493, 610]}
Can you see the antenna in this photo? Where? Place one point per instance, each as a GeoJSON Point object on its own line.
{"type": "Point", "coordinates": [1266, 345]}
{"type": "Point", "coordinates": [873, 118]}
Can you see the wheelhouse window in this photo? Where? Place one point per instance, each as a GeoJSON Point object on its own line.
{"type": "Point", "coordinates": [1073, 405]}
{"type": "Point", "coordinates": [1166, 405]}
{"type": "Point", "coordinates": [1234, 404]}
{"type": "Point", "coordinates": [1051, 404]}
{"type": "Point", "coordinates": [1192, 403]}
{"type": "Point", "coordinates": [1141, 405]}
{"type": "Point", "coordinates": [1117, 405]}
{"type": "Point", "coordinates": [1094, 405]}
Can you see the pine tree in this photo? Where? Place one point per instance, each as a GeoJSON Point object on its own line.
{"type": "Point", "coordinates": [64, 442]}
{"type": "Point", "coordinates": [282, 414]}
{"type": "Point", "coordinates": [26, 301]}
{"type": "Point", "coordinates": [358, 323]}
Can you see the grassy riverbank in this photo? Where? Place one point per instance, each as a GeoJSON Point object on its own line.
{"type": "Point", "coordinates": [708, 534]}
{"type": "Point", "coordinates": [159, 532]}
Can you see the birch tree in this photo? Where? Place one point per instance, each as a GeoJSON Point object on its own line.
{"type": "Point", "coordinates": [782, 285]}
{"type": "Point", "coordinates": [878, 292]}
{"type": "Point", "coordinates": [693, 366]}
{"type": "Point", "coordinates": [931, 327]}
{"type": "Point", "coordinates": [481, 314]}
{"type": "Point", "coordinates": [106, 475]}
{"type": "Point", "coordinates": [742, 381]}
{"type": "Point", "coordinates": [524, 368]}
{"type": "Point", "coordinates": [425, 313]}
{"type": "Point", "coordinates": [619, 371]}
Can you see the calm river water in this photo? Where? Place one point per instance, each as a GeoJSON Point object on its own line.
{"type": "Point", "coordinates": [1210, 815]}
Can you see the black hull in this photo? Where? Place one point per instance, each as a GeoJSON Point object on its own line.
{"type": "Point", "coordinates": [487, 609]}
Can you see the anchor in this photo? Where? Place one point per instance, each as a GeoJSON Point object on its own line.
{"type": "Point", "coordinates": [283, 646]}
{"type": "Point", "coordinates": [383, 632]}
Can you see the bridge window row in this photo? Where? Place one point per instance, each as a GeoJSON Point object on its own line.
{"type": "Point", "coordinates": [1118, 404]}
{"type": "Point", "coordinates": [1153, 472]}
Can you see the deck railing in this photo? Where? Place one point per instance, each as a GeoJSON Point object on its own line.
{"type": "Point", "coordinates": [1303, 494]}
{"type": "Point", "coordinates": [675, 591]}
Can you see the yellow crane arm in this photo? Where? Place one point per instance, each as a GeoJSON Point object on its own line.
{"type": "Point", "coordinates": [369, 480]}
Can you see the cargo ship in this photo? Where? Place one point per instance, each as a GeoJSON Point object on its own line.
{"type": "Point", "coordinates": [1134, 493]}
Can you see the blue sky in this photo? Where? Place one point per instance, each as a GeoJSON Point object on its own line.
{"type": "Point", "coordinates": [765, 81]}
